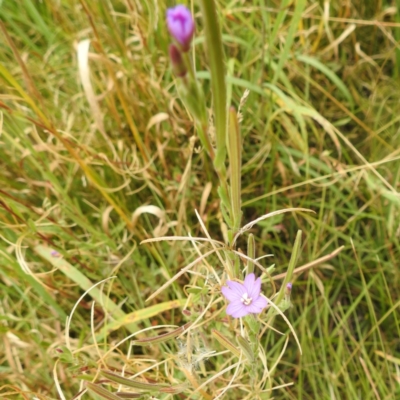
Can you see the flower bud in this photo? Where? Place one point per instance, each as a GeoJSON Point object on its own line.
{"type": "Point", "coordinates": [181, 25]}
{"type": "Point", "coordinates": [288, 289]}
{"type": "Point", "coordinates": [177, 62]}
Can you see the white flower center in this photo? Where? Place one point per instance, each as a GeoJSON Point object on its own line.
{"type": "Point", "coordinates": [246, 300]}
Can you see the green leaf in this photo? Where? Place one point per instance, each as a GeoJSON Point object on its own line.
{"type": "Point", "coordinates": [133, 383]}
{"type": "Point", "coordinates": [162, 338]}
{"type": "Point", "coordinates": [225, 342]}
{"type": "Point", "coordinates": [100, 391]}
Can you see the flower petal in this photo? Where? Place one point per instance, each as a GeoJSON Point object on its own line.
{"type": "Point", "coordinates": [240, 313]}
{"type": "Point", "coordinates": [234, 307]}
{"type": "Point", "coordinates": [237, 309]}
{"type": "Point", "coordinates": [237, 287]}
{"type": "Point", "coordinates": [256, 289]}
{"type": "Point", "coordinates": [249, 283]}
{"type": "Point", "coordinates": [257, 305]}
{"type": "Point", "coordinates": [181, 24]}
{"type": "Point", "coordinates": [229, 294]}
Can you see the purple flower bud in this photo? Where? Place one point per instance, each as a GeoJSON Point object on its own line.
{"type": "Point", "coordinates": [288, 289]}
{"type": "Point", "coordinates": [181, 25]}
{"type": "Point", "coordinates": [177, 63]}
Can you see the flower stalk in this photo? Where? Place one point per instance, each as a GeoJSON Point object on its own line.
{"type": "Point", "coordinates": [218, 83]}
{"type": "Point", "coordinates": [181, 27]}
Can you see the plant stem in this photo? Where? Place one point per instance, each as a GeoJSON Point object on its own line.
{"type": "Point", "coordinates": [218, 83]}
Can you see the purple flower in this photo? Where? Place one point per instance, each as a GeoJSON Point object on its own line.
{"type": "Point", "coordinates": [181, 25]}
{"type": "Point", "coordinates": [288, 289]}
{"type": "Point", "coordinates": [244, 298]}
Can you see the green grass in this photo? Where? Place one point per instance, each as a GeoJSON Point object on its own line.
{"type": "Point", "coordinates": [320, 131]}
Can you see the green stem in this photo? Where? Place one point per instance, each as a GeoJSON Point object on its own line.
{"type": "Point", "coordinates": [218, 83]}
{"type": "Point", "coordinates": [202, 132]}
{"type": "Point", "coordinates": [189, 65]}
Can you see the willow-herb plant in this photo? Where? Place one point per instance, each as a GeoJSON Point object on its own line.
{"type": "Point", "coordinates": [245, 299]}
{"type": "Point", "coordinates": [235, 281]}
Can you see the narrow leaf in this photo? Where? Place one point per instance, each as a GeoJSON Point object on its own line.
{"type": "Point", "coordinates": [100, 391]}
{"type": "Point", "coordinates": [246, 348]}
{"type": "Point", "coordinates": [235, 165]}
{"type": "Point", "coordinates": [126, 395]}
{"type": "Point", "coordinates": [251, 253]}
{"type": "Point", "coordinates": [132, 383]}
{"type": "Point", "coordinates": [145, 313]}
{"type": "Point", "coordinates": [162, 338]}
{"type": "Point", "coordinates": [225, 342]}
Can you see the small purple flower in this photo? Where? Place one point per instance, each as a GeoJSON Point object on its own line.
{"type": "Point", "coordinates": [288, 289]}
{"type": "Point", "coordinates": [181, 25]}
{"type": "Point", "coordinates": [244, 298]}
{"type": "Point", "coordinates": [55, 253]}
